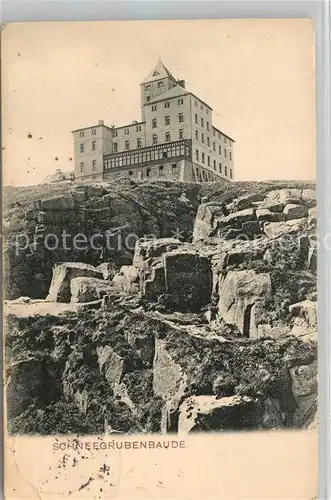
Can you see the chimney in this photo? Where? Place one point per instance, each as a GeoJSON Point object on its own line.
{"type": "Point", "coordinates": [101, 122]}
{"type": "Point", "coordinates": [181, 83]}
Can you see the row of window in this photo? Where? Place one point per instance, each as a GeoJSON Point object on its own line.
{"type": "Point", "coordinates": [167, 138]}
{"type": "Point", "coordinates": [82, 166]}
{"type": "Point", "coordinates": [202, 140]}
{"type": "Point", "coordinates": [82, 147]}
{"type": "Point", "coordinates": [82, 132]}
{"type": "Point", "coordinates": [149, 86]}
{"type": "Point", "coordinates": [167, 120]}
{"type": "Point", "coordinates": [147, 172]}
{"type": "Point", "coordinates": [202, 107]}
{"type": "Point", "coordinates": [197, 157]}
{"type": "Point", "coordinates": [166, 104]}
{"type": "Point", "coordinates": [126, 130]}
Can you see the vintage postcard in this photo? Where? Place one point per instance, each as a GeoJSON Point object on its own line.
{"type": "Point", "coordinates": [160, 260]}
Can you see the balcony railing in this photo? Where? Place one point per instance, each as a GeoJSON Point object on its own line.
{"type": "Point", "coordinates": [156, 154]}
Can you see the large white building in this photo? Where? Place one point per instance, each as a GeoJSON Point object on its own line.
{"type": "Point", "coordinates": [174, 140]}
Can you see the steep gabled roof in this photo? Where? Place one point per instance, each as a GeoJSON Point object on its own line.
{"type": "Point", "coordinates": [158, 72]}
{"type": "Point", "coordinates": [176, 91]}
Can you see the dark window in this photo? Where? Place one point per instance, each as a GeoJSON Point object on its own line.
{"type": "Point", "coordinates": [115, 147]}
{"type": "Point", "coordinates": [220, 150]}
{"type": "Point", "coordinates": [94, 164]}
{"type": "Point", "coordinates": [214, 146]}
{"type": "Point", "coordinates": [167, 104]}
{"type": "Point", "coordinates": [174, 168]}
{"type": "Point", "coordinates": [207, 125]}
{"type": "Point", "coordinates": [154, 123]}
{"type": "Point", "coordinates": [138, 143]}
{"type": "Point", "coordinates": [93, 145]}
{"type": "Point", "coordinates": [226, 170]}
{"type": "Point", "coordinates": [197, 135]}
{"type": "Point", "coordinates": [164, 154]}
{"type": "Point", "coordinates": [202, 138]}
{"type": "Point", "coordinates": [148, 98]}
{"type": "Point", "coordinates": [220, 167]}
{"type": "Point", "coordinates": [202, 122]}
{"type": "Point", "coordinates": [147, 87]}
{"type": "Point", "coordinates": [225, 153]}
{"type": "Point", "coordinates": [81, 134]}
{"type": "Point", "coordinates": [181, 133]}
{"type": "Point", "coordinates": [154, 139]}
{"type": "Point", "coordinates": [160, 85]}
{"type": "Point", "coordinates": [154, 107]}
{"type": "Point", "coordinates": [94, 132]}
{"type": "Point", "coordinates": [230, 173]}
{"type": "Point", "coordinates": [161, 170]}
{"type": "Point", "coordinates": [82, 166]}
{"type": "Point", "coordinates": [209, 161]}
{"type": "Point", "coordinates": [148, 172]}
{"type": "Point", "coordinates": [127, 145]}
{"type": "Point", "coordinates": [180, 117]}
{"type": "Point", "coordinates": [82, 148]}
{"type": "Point", "coordinates": [203, 157]}
{"type": "Point", "coordinates": [197, 154]}
{"type": "Point", "coordinates": [130, 172]}
{"type": "Point", "coordinates": [196, 118]}
{"type": "Point", "coordinates": [167, 137]}
{"type": "Point", "coordinates": [214, 164]}
{"type": "Point", "coordinates": [167, 120]}
{"type": "Point", "coordinates": [208, 141]}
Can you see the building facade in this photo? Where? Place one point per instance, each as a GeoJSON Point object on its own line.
{"type": "Point", "coordinates": [174, 140]}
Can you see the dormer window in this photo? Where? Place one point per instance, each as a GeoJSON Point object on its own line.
{"type": "Point", "coordinates": [156, 73]}
{"type": "Point", "coordinates": [148, 88]}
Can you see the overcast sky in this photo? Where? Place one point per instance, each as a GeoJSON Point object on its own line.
{"type": "Point", "coordinates": [257, 75]}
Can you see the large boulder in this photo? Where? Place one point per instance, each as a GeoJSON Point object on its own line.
{"type": "Point", "coordinates": [239, 291]}
{"type": "Point", "coordinates": [127, 279]}
{"type": "Point", "coordinates": [293, 211]}
{"type": "Point", "coordinates": [236, 219]}
{"type": "Point", "coordinates": [204, 223]}
{"type": "Point", "coordinates": [59, 290]}
{"type": "Point", "coordinates": [84, 289]}
{"type": "Point", "coordinates": [55, 204]}
{"type": "Point", "coordinates": [265, 214]}
{"type": "Point", "coordinates": [111, 365]}
{"type": "Point", "coordinates": [188, 279]}
{"type": "Point", "coordinates": [244, 202]}
{"type": "Point", "coordinates": [305, 319]}
{"type": "Point", "coordinates": [304, 387]}
{"type": "Point", "coordinates": [210, 413]}
{"type": "Point", "coordinates": [151, 248]}
{"type": "Point", "coordinates": [275, 229]}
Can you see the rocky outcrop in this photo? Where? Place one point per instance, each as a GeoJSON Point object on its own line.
{"type": "Point", "coordinates": [305, 319]}
{"type": "Point", "coordinates": [275, 229]}
{"type": "Point", "coordinates": [154, 339]}
{"type": "Point", "coordinates": [209, 413]}
{"type": "Point", "coordinates": [59, 290]}
{"type": "Point", "coordinates": [304, 387]}
{"type": "Point", "coordinates": [127, 279]}
{"type": "Point", "coordinates": [84, 289]}
{"type": "Point", "coordinates": [239, 291]}
{"type": "Point", "coordinates": [293, 211]}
